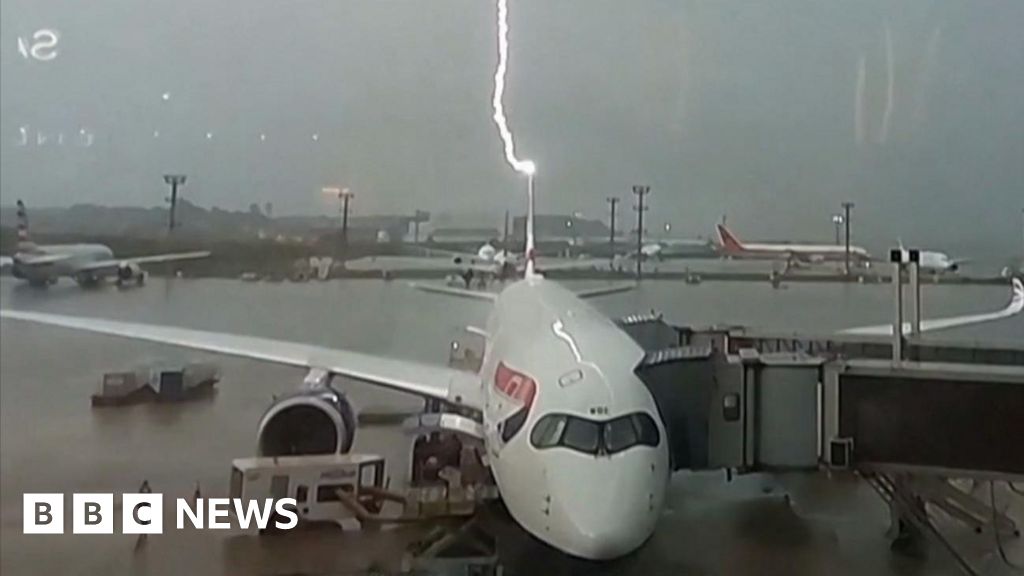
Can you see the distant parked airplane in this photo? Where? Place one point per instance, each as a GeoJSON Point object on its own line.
{"type": "Point", "coordinates": [792, 253]}
{"type": "Point", "coordinates": [88, 264]}
{"type": "Point", "coordinates": [937, 262]}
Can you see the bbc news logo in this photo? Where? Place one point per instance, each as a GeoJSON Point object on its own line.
{"type": "Point", "coordinates": [144, 513]}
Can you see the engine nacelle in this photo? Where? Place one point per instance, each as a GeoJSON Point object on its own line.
{"type": "Point", "coordinates": [128, 271]}
{"type": "Point", "coordinates": [316, 421]}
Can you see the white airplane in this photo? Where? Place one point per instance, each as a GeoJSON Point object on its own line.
{"type": "Point", "coordinates": [487, 258]}
{"type": "Point", "coordinates": [487, 263]}
{"type": "Point", "coordinates": [87, 264]}
{"type": "Point", "coordinates": [937, 262]}
{"type": "Point", "coordinates": [571, 432]}
{"type": "Point", "coordinates": [731, 246]}
{"type": "Point", "coordinates": [662, 250]}
{"type": "Point", "coordinates": [648, 251]}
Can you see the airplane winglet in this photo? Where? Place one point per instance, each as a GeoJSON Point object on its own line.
{"type": "Point", "coordinates": [1014, 307]}
{"type": "Point", "coordinates": [1017, 301]}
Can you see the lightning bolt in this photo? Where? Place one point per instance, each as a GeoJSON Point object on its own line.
{"type": "Point", "coordinates": [522, 166]}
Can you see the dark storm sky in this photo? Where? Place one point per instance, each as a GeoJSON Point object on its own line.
{"type": "Point", "coordinates": [744, 108]}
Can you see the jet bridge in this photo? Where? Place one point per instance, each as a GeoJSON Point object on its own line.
{"type": "Point", "coordinates": [728, 404]}
{"type": "Point", "coordinates": [734, 401]}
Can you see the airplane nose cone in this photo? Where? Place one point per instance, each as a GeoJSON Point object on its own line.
{"type": "Point", "coordinates": [610, 542]}
{"type": "Point", "coordinates": [607, 509]}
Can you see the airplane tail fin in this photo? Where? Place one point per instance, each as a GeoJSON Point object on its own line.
{"type": "Point", "coordinates": [25, 242]}
{"type": "Point", "coordinates": [728, 240]}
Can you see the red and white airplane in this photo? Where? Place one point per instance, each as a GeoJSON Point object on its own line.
{"type": "Point", "coordinates": [570, 430]}
{"type": "Point", "coordinates": [795, 253]}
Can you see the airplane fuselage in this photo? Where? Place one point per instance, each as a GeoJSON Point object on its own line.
{"type": "Point", "coordinates": [75, 256]}
{"type": "Point", "coordinates": [572, 435]}
{"type": "Point", "coordinates": [803, 252]}
{"type": "Point", "coordinates": [938, 262]}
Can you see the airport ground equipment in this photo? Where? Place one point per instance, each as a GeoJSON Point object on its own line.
{"type": "Point", "coordinates": [324, 486]}
{"type": "Point", "coordinates": [157, 383]}
{"type": "Point", "coordinates": [352, 489]}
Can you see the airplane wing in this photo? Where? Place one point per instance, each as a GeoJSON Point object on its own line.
{"type": "Point", "coordinates": [42, 259]}
{"type": "Point", "coordinates": [399, 263]}
{"type": "Point", "coordinates": [460, 292]}
{"type": "Point", "coordinates": [112, 264]}
{"type": "Point", "coordinates": [1014, 307]}
{"type": "Point", "coordinates": [605, 290]}
{"type": "Point", "coordinates": [430, 252]}
{"type": "Point", "coordinates": [403, 375]}
{"type": "Point", "coordinates": [557, 264]}
{"type": "Point", "coordinates": [413, 263]}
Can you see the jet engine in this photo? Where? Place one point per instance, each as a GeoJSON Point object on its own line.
{"type": "Point", "coordinates": [128, 271]}
{"type": "Point", "coordinates": [313, 421]}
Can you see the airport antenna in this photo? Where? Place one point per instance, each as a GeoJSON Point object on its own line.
{"type": "Point", "coordinates": [640, 192]}
{"type": "Point", "coordinates": [174, 181]}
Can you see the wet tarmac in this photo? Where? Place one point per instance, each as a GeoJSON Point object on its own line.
{"type": "Point", "coordinates": [52, 441]}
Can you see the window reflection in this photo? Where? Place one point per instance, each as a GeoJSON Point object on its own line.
{"type": "Point", "coordinates": [582, 435]}
{"type": "Point", "coordinates": [619, 434]}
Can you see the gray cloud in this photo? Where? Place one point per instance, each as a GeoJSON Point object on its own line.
{"type": "Point", "coordinates": [722, 107]}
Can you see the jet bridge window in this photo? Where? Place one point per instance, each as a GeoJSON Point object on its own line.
{"type": "Point", "coordinates": [594, 437]}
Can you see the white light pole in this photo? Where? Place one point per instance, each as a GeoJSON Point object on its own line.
{"type": "Point", "coordinates": [838, 220]}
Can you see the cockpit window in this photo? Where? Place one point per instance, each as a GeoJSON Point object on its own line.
{"type": "Point", "coordinates": [582, 435]}
{"type": "Point", "coordinates": [548, 431]}
{"type": "Point", "coordinates": [646, 429]}
{"type": "Point", "coordinates": [513, 423]}
{"type": "Point", "coordinates": [593, 437]}
{"type": "Point", "coordinates": [619, 434]}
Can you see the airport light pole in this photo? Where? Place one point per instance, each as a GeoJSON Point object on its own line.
{"type": "Point", "coordinates": [613, 203]}
{"type": "Point", "coordinates": [847, 206]}
{"type": "Point", "coordinates": [504, 234]}
{"type": "Point", "coordinates": [641, 192]}
{"type": "Point", "coordinates": [837, 220]}
{"type": "Point", "coordinates": [419, 216]}
{"type": "Point", "coordinates": [344, 195]}
{"type": "Point", "coordinates": [173, 180]}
